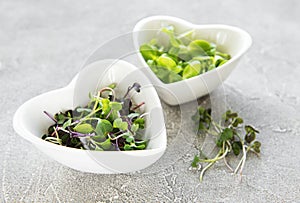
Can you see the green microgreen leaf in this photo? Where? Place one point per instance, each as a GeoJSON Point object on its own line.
{"type": "Point", "coordinates": [169, 63]}
{"type": "Point", "coordinates": [140, 122]}
{"type": "Point", "coordinates": [169, 30]}
{"type": "Point", "coordinates": [195, 161]}
{"type": "Point", "coordinates": [192, 69]}
{"type": "Point", "coordinates": [118, 123]}
{"type": "Point", "coordinates": [166, 61]}
{"type": "Point", "coordinates": [105, 106]}
{"type": "Point", "coordinates": [117, 106]}
{"type": "Point", "coordinates": [129, 138]}
{"type": "Point", "coordinates": [203, 117]}
{"type": "Point", "coordinates": [134, 127]}
{"type": "Point", "coordinates": [112, 85]}
{"type": "Point", "coordinates": [226, 134]}
{"type": "Point", "coordinates": [223, 55]}
{"type": "Point", "coordinates": [220, 62]}
{"type": "Point", "coordinates": [60, 118]}
{"type": "Point", "coordinates": [236, 147]}
{"type": "Point", "coordinates": [166, 75]}
{"type": "Point", "coordinates": [127, 147]}
{"type": "Point", "coordinates": [250, 137]}
{"type": "Point", "coordinates": [149, 52]}
{"type": "Point", "coordinates": [106, 145]}
{"type": "Point", "coordinates": [141, 146]}
{"type": "Point", "coordinates": [256, 146]}
{"type": "Point", "coordinates": [199, 47]}
{"type": "Point", "coordinates": [103, 127]}
{"type": "Point", "coordinates": [84, 128]}
{"type": "Point", "coordinates": [250, 129]}
{"type": "Point", "coordinates": [250, 133]}
{"type": "Point", "coordinates": [237, 122]}
{"type": "Point", "coordinates": [99, 138]}
{"type": "Point", "coordinates": [67, 123]}
{"type": "Point", "coordinates": [229, 115]}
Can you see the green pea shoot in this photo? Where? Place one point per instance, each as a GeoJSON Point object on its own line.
{"type": "Point", "coordinates": [183, 57]}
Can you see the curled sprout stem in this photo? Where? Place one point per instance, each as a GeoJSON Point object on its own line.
{"type": "Point", "coordinates": [144, 114]}
{"type": "Point", "coordinates": [110, 90]}
{"type": "Point", "coordinates": [221, 155]}
{"type": "Point", "coordinates": [204, 169]}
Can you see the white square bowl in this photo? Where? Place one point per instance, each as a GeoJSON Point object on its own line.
{"type": "Point", "coordinates": [229, 39]}
{"type": "Point", "coordinates": [31, 123]}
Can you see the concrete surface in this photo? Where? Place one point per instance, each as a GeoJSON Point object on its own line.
{"type": "Point", "coordinates": [42, 45]}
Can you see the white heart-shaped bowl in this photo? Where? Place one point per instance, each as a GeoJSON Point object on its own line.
{"type": "Point", "coordinates": [30, 122]}
{"type": "Point", "coordinates": [228, 39]}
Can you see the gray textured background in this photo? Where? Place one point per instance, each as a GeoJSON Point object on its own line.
{"type": "Point", "coordinates": [43, 43]}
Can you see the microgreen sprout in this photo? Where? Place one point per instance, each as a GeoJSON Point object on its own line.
{"type": "Point", "coordinates": [183, 57]}
{"type": "Point", "coordinates": [105, 123]}
{"type": "Point", "coordinates": [231, 137]}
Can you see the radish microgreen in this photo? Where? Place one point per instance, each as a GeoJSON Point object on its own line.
{"type": "Point", "coordinates": [105, 123]}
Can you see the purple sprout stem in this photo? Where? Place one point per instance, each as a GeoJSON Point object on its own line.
{"type": "Point", "coordinates": [126, 94]}
{"type": "Point", "coordinates": [135, 86]}
{"type": "Point", "coordinates": [50, 116]}
{"type": "Point", "coordinates": [138, 106]}
{"type": "Point", "coordinates": [117, 145]}
{"type": "Point", "coordinates": [77, 134]}
{"type": "Point", "coordinates": [129, 124]}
